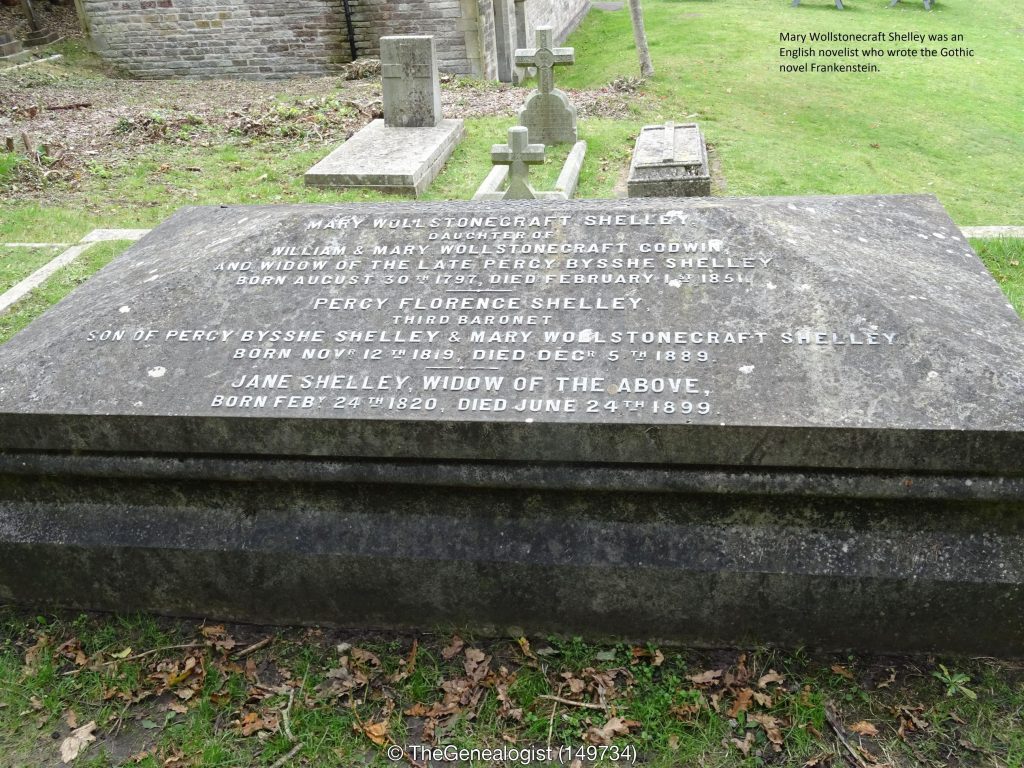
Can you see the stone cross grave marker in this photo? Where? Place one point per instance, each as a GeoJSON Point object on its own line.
{"type": "Point", "coordinates": [547, 112]}
{"type": "Point", "coordinates": [30, 13]}
{"type": "Point", "coordinates": [412, 92]}
{"type": "Point", "coordinates": [519, 154]}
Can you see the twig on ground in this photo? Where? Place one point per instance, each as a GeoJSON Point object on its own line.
{"type": "Point", "coordinates": [283, 761]}
{"type": "Point", "coordinates": [144, 654]}
{"type": "Point", "coordinates": [833, 721]}
{"type": "Point", "coordinates": [571, 703]}
{"type": "Point", "coordinates": [254, 647]}
{"type": "Point", "coordinates": [285, 719]}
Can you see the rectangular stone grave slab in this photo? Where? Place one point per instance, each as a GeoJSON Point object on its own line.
{"type": "Point", "coordinates": [669, 161]}
{"type": "Point", "coordinates": [788, 420]}
{"type": "Point", "coordinates": [402, 161]}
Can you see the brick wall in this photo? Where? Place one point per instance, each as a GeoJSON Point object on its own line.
{"type": "Point", "coordinates": [562, 15]}
{"type": "Point", "coordinates": [284, 38]}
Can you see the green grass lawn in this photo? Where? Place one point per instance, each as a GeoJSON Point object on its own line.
{"type": "Point", "coordinates": [952, 127]}
{"type": "Point", "coordinates": [18, 263]}
{"type": "Point", "coordinates": [59, 285]}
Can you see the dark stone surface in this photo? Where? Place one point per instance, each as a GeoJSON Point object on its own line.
{"type": "Point", "coordinates": [833, 495]}
{"type": "Point", "coordinates": [914, 359]}
{"type": "Point", "coordinates": [707, 568]}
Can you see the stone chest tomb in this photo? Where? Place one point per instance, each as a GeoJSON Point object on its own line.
{"type": "Point", "coordinates": [795, 420]}
{"type": "Point", "coordinates": [669, 160]}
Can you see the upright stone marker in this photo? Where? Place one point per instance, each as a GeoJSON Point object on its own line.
{"type": "Point", "coordinates": [30, 13]}
{"type": "Point", "coordinates": [519, 154]}
{"type": "Point", "coordinates": [411, 89]}
{"type": "Point", "coordinates": [796, 420]}
{"type": "Point", "coordinates": [39, 34]}
{"type": "Point", "coordinates": [548, 114]}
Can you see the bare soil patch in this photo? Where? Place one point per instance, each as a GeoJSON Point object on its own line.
{"type": "Point", "coordinates": [80, 116]}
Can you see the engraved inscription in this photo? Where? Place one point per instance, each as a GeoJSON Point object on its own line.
{"type": "Point", "coordinates": [513, 314]}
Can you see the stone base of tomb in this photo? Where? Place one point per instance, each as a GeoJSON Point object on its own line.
{"type": "Point", "coordinates": [401, 161]}
{"type": "Point", "coordinates": [834, 560]}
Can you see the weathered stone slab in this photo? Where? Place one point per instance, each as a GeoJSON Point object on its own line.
{"type": "Point", "coordinates": [411, 89]}
{"type": "Point", "coordinates": [779, 419]}
{"type": "Point", "coordinates": [669, 160]}
{"type": "Point", "coordinates": [399, 160]}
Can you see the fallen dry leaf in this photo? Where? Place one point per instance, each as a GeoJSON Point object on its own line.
{"type": "Point", "coordinates": [745, 745]}
{"type": "Point", "coordinates": [866, 754]}
{"type": "Point", "coordinates": [686, 712]}
{"type": "Point", "coordinates": [453, 649]}
{"type": "Point", "coordinates": [79, 739]}
{"type": "Point", "coordinates": [864, 728]}
{"type": "Point", "coordinates": [763, 699]}
{"type": "Point", "coordinates": [909, 721]}
{"type": "Point", "coordinates": [72, 650]}
{"type": "Point", "coordinates": [656, 658]}
{"type": "Point", "coordinates": [616, 726]}
{"type": "Point", "coordinates": [34, 654]}
{"type": "Point", "coordinates": [705, 678]}
{"type": "Point", "coordinates": [889, 681]}
{"type": "Point", "coordinates": [771, 728]}
{"type": "Point", "coordinates": [741, 702]}
{"type": "Point", "coordinates": [524, 646]}
{"type": "Point", "coordinates": [376, 732]}
{"type": "Point", "coordinates": [254, 722]}
{"type": "Point", "coordinates": [770, 677]}
{"type": "Point", "coordinates": [477, 664]}
{"type": "Point", "coordinates": [218, 637]}
{"type": "Point", "coordinates": [366, 658]}
{"type": "Point", "coordinates": [842, 671]}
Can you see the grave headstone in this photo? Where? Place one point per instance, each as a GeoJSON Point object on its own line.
{"type": "Point", "coordinates": [669, 160]}
{"type": "Point", "coordinates": [519, 154]}
{"type": "Point", "coordinates": [927, 4]}
{"type": "Point", "coordinates": [30, 13]}
{"type": "Point", "coordinates": [839, 4]}
{"type": "Point", "coordinates": [724, 420]}
{"type": "Point", "coordinates": [39, 34]}
{"type": "Point", "coordinates": [411, 88]}
{"type": "Point", "coordinates": [404, 152]}
{"type": "Point", "coordinates": [548, 113]}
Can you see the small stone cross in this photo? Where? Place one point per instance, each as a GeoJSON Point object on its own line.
{"type": "Point", "coordinates": [518, 155]}
{"type": "Point", "coordinates": [545, 57]}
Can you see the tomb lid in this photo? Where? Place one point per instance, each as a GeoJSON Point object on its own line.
{"type": "Point", "coordinates": [812, 332]}
{"type": "Point", "coordinates": [669, 145]}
